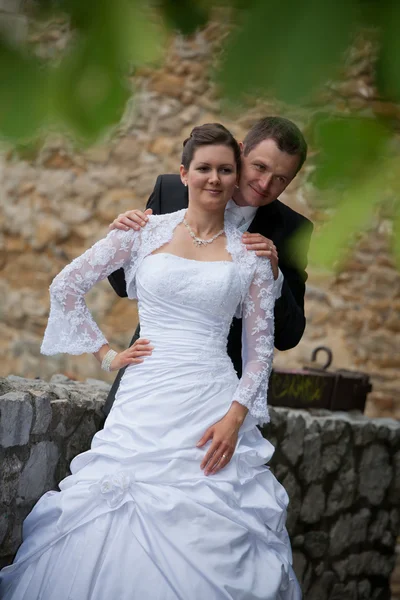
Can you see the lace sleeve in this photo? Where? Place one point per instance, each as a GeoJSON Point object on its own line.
{"type": "Point", "coordinates": [257, 342]}
{"type": "Point", "coordinates": [71, 328]}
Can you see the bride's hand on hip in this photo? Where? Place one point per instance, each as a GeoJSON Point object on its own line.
{"type": "Point", "coordinates": [224, 436]}
{"type": "Point", "coordinates": [133, 355]}
{"type": "Point", "coordinates": [131, 219]}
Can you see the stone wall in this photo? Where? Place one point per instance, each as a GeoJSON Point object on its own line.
{"type": "Point", "coordinates": [341, 472]}
{"type": "Point", "coordinates": [56, 200]}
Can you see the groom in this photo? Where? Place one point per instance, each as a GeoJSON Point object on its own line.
{"type": "Point", "coordinates": [273, 152]}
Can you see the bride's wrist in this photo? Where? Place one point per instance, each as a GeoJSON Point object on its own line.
{"type": "Point", "coordinates": [237, 412]}
{"type": "Point", "coordinates": [108, 359]}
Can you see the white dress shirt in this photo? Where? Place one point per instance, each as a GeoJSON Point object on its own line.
{"type": "Point", "coordinates": [241, 217]}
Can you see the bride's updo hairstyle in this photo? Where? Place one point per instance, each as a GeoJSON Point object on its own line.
{"type": "Point", "coordinates": [209, 134]}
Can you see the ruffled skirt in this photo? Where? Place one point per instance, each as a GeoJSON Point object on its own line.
{"type": "Point", "coordinates": [138, 519]}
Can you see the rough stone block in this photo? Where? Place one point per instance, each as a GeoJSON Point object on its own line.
{"type": "Point", "coordinates": [299, 565]}
{"type": "Point", "coordinates": [368, 563]}
{"type": "Point", "coordinates": [316, 543]}
{"type": "Point", "coordinates": [331, 458]}
{"type": "Point", "coordinates": [378, 526]}
{"type": "Point", "coordinates": [388, 431]}
{"type": "Point", "coordinates": [349, 530]}
{"type": "Point", "coordinates": [292, 445]}
{"type": "Point", "coordinates": [61, 378]}
{"type": "Point", "coordinates": [313, 506]}
{"type": "Point", "coordinates": [310, 467]}
{"type": "Point", "coordinates": [4, 522]}
{"type": "Point", "coordinates": [293, 489]}
{"type": "Point", "coordinates": [81, 438]}
{"type": "Point", "coordinates": [340, 535]}
{"type": "Point", "coordinates": [344, 592]}
{"type": "Point", "coordinates": [359, 526]}
{"type": "Point", "coordinates": [364, 590]}
{"type": "Point", "coordinates": [321, 588]}
{"type": "Point", "coordinates": [9, 477]}
{"type": "Point", "coordinates": [66, 416]}
{"type": "Point", "coordinates": [43, 414]}
{"type": "Point", "coordinates": [98, 383]}
{"type": "Point", "coordinates": [364, 432]}
{"type": "Point", "coordinates": [344, 488]}
{"type": "Point", "coordinates": [375, 473]}
{"type": "Point", "coordinates": [335, 429]}
{"type": "Point", "coordinates": [38, 474]}
{"type": "Point", "coordinates": [394, 490]}
{"type": "Point", "coordinates": [15, 419]}
{"type": "Point", "coordinates": [395, 520]}
{"type": "Point", "coordinates": [12, 539]}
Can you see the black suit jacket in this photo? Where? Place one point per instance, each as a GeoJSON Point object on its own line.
{"type": "Point", "coordinates": [275, 221]}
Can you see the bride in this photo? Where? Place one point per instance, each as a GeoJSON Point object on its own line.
{"type": "Point", "coordinates": [172, 501]}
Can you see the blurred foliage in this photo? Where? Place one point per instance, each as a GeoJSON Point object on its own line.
{"type": "Point", "coordinates": [286, 49]}
{"type": "Point", "coordinates": [355, 209]}
{"type": "Point", "coordinates": [350, 147]}
{"type": "Point", "coordinates": [356, 168]}
{"type": "Point", "coordinates": [22, 81]}
{"type": "Point", "coordinates": [388, 64]}
{"type": "Point", "coordinates": [87, 90]}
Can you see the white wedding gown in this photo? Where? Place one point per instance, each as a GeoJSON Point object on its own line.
{"type": "Point", "coordinates": [137, 519]}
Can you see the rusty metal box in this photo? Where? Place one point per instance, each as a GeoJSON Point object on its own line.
{"type": "Point", "coordinates": [312, 387]}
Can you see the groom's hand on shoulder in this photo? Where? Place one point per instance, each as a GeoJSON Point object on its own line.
{"type": "Point", "coordinates": [262, 246]}
{"type": "Point", "coordinates": [131, 219]}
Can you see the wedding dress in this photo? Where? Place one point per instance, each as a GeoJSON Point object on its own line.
{"type": "Point", "coordinates": [137, 518]}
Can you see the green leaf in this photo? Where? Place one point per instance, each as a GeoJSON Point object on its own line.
{"type": "Point", "coordinates": [89, 89]}
{"type": "Point", "coordinates": [135, 32]}
{"type": "Point", "coordinates": [388, 64]}
{"type": "Point", "coordinates": [287, 48]}
{"type": "Point", "coordinates": [83, 14]}
{"type": "Point", "coordinates": [347, 148]}
{"type": "Point", "coordinates": [354, 214]}
{"type": "Point", "coordinates": [127, 28]}
{"type": "Point", "coordinates": [23, 95]}
{"type": "Point", "coordinates": [90, 85]}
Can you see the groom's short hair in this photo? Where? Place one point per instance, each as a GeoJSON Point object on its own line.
{"type": "Point", "coordinates": [285, 133]}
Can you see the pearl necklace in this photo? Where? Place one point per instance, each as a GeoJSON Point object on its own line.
{"type": "Point", "coordinates": [199, 241]}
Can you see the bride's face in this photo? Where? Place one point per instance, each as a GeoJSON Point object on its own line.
{"type": "Point", "coordinates": [211, 177]}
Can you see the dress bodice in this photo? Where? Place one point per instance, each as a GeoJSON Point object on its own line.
{"type": "Point", "coordinates": [172, 290]}
{"type": "Point", "coordinates": [186, 306]}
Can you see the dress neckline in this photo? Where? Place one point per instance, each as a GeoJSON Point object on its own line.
{"type": "Point", "coordinates": [190, 259]}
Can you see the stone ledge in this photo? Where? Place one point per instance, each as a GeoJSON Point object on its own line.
{"type": "Point", "coordinates": [43, 425]}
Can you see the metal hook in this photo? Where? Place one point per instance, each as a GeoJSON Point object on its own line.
{"type": "Point", "coordinates": [329, 356]}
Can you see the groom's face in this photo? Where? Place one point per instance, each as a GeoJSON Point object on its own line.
{"type": "Point", "coordinates": [266, 172]}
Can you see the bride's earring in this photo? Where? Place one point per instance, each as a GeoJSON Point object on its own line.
{"type": "Point", "coordinates": [185, 184]}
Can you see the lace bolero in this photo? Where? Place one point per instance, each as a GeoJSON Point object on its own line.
{"type": "Point", "coordinates": [72, 329]}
